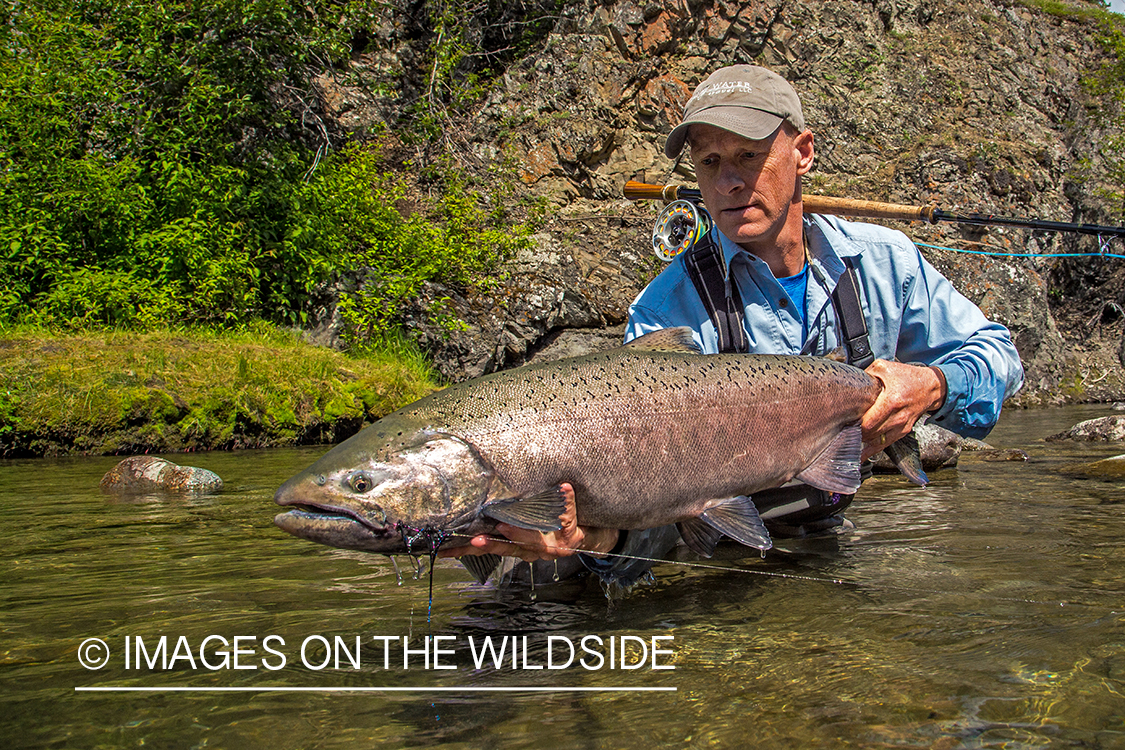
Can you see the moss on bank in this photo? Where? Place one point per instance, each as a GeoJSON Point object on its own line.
{"type": "Point", "coordinates": [127, 392]}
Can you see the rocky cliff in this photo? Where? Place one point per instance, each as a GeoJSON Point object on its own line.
{"type": "Point", "coordinates": [970, 106]}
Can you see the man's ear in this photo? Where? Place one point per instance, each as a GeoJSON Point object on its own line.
{"type": "Point", "coordinates": [803, 145]}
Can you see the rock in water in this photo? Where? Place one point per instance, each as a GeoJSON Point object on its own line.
{"type": "Point", "coordinates": [1100, 429]}
{"type": "Point", "coordinates": [1108, 468]}
{"type": "Point", "coordinates": [997, 455]}
{"type": "Point", "coordinates": [153, 474]}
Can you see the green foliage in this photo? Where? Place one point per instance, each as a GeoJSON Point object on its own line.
{"type": "Point", "coordinates": [1062, 9]}
{"type": "Point", "coordinates": [350, 217]}
{"type": "Point", "coordinates": [467, 43]}
{"type": "Point", "coordinates": [89, 297]}
{"type": "Point", "coordinates": [164, 162]}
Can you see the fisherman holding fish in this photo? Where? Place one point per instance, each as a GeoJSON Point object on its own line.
{"type": "Point", "coordinates": [768, 279]}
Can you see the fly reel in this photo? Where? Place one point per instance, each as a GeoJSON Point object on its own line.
{"type": "Point", "coordinates": [679, 226]}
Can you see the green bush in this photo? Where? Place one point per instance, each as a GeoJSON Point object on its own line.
{"type": "Point", "coordinates": [350, 218]}
{"type": "Point", "coordinates": [165, 162]}
{"type": "Point", "coordinates": [88, 297]}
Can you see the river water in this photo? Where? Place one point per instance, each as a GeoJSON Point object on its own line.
{"type": "Point", "coordinates": [987, 610]}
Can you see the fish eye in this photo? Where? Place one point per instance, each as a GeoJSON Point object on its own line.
{"type": "Point", "coordinates": [360, 482]}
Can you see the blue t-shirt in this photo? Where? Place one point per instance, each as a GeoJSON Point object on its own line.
{"type": "Point", "coordinates": [797, 287]}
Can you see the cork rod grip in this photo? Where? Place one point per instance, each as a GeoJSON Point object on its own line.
{"type": "Point", "coordinates": [824, 204]}
{"type": "Point", "coordinates": [814, 204]}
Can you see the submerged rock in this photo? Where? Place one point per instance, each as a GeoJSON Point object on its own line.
{"type": "Point", "coordinates": [1100, 429]}
{"type": "Point", "coordinates": [153, 474]}
{"type": "Point", "coordinates": [972, 444]}
{"type": "Point", "coordinates": [1001, 454]}
{"type": "Point", "coordinates": [940, 449]}
{"type": "Point", "coordinates": [1107, 468]}
{"type": "Point", "coordinates": [981, 451]}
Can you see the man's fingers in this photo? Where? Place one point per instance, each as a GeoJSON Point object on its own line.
{"type": "Point", "coordinates": [527, 544]}
{"type": "Point", "coordinates": [478, 545]}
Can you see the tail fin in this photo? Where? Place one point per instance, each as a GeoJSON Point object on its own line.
{"type": "Point", "coordinates": [906, 455]}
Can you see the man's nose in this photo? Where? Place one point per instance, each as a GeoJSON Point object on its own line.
{"type": "Point", "coordinates": [730, 179]}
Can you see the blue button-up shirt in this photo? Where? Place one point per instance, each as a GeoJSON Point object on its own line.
{"type": "Point", "coordinates": [913, 314]}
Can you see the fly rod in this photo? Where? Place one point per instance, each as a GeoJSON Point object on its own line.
{"type": "Point", "coordinates": [822, 204]}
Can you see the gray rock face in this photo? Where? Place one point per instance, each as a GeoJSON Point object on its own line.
{"type": "Point", "coordinates": [149, 474]}
{"type": "Point", "coordinates": [974, 106]}
{"type": "Point", "coordinates": [1100, 429]}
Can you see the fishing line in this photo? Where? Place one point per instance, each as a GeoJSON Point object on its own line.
{"type": "Point", "coordinates": [818, 579]}
{"type": "Point", "coordinates": [1022, 255]}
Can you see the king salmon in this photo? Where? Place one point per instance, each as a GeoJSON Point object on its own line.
{"type": "Point", "coordinates": [649, 434]}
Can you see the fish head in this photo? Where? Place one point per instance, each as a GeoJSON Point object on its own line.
{"type": "Point", "coordinates": [425, 490]}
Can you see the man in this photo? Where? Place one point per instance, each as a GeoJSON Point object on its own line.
{"type": "Point", "coordinates": [778, 268]}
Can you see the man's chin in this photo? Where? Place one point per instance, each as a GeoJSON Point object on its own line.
{"type": "Point", "coordinates": [744, 232]}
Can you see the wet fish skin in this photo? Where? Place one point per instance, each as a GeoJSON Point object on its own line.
{"type": "Point", "coordinates": [648, 434]}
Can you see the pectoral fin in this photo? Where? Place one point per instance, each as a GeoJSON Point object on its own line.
{"type": "Point", "coordinates": [737, 518]}
{"type": "Point", "coordinates": [481, 566]}
{"type": "Point", "coordinates": [539, 512]}
{"type": "Point", "coordinates": [836, 469]}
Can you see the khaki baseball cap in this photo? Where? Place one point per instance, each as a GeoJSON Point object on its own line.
{"type": "Point", "coordinates": [744, 99]}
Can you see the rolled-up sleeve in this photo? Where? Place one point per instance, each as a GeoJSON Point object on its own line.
{"type": "Point", "coordinates": [941, 327]}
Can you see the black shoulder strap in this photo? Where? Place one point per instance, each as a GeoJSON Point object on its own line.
{"type": "Point", "coordinates": [704, 264]}
{"type": "Point", "coordinates": [849, 314]}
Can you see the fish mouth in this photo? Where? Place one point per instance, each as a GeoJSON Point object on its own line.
{"type": "Point", "coordinates": [330, 514]}
{"type": "Point", "coordinates": [318, 518]}
{"type": "Point", "coordinates": [335, 526]}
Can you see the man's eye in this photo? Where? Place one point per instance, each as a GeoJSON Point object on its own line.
{"type": "Point", "coordinates": [749, 155]}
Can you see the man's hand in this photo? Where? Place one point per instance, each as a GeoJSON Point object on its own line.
{"type": "Point", "coordinates": [909, 391]}
{"type": "Point", "coordinates": [530, 545]}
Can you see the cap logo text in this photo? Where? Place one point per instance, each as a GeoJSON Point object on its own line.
{"type": "Point", "coordinates": [724, 87]}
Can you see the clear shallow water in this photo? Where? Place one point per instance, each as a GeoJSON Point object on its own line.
{"type": "Point", "coordinates": [987, 610]}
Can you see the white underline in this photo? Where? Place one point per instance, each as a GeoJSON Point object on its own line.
{"type": "Point", "coordinates": [374, 689]}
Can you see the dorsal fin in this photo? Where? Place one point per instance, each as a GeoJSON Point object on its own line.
{"type": "Point", "coordinates": [676, 339]}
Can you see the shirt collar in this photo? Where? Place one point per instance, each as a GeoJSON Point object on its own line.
{"type": "Point", "coordinates": [829, 245]}
{"type": "Point", "coordinates": [826, 245]}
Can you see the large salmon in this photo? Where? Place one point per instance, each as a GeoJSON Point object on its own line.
{"type": "Point", "coordinates": [649, 434]}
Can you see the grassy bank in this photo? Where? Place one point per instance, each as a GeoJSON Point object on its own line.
{"type": "Point", "coordinates": [127, 392]}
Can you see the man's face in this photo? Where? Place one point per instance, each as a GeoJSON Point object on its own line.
{"type": "Point", "coordinates": [748, 186]}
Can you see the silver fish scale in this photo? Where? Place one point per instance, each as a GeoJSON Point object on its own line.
{"type": "Point", "coordinates": [651, 437]}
